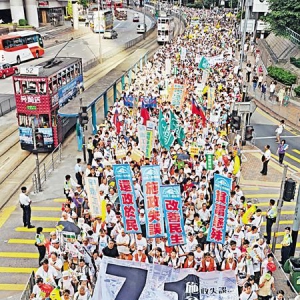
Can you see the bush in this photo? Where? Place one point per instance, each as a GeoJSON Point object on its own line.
{"type": "Point", "coordinates": [297, 91]}
{"type": "Point", "coordinates": [281, 75]}
{"type": "Point", "coordinates": [23, 22]}
{"type": "Point", "coordinates": [295, 61]}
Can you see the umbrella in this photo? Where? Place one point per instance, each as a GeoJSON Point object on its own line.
{"type": "Point", "coordinates": [69, 226]}
{"type": "Point", "coordinates": [183, 156]}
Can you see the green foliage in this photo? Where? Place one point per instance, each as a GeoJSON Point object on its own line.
{"type": "Point", "coordinates": [297, 91]}
{"type": "Point", "coordinates": [195, 5]}
{"type": "Point", "coordinates": [84, 3]}
{"type": "Point", "coordinates": [295, 61]}
{"type": "Point", "coordinates": [23, 22]}
{"type": "Point", "coordinates": [281, 75]}
{"type": "Point", "coordinates": [283, 14]}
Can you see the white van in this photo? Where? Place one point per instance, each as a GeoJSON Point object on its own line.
{"type": "Point", "coordinates": [141, 28]}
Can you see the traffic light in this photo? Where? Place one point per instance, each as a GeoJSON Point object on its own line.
{"type": "Point", "coordinates": [235, 122]}
{"type": "Point", "coordinates": [83, 116]}
{"type": "Point", "coordinates": [39, 139]}
{"type": "Point", "coordinates": [289, 189]}
{"type": "Point", "coordinates": [249, 133]}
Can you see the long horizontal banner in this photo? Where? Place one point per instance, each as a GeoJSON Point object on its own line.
{"type": "Point", "coordinates": [128, 280]}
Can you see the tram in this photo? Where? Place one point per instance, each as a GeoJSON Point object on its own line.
{"type": "Point", "coordinates": [165, 29]}
{"type": "Point", "coordinates": [40, 90]}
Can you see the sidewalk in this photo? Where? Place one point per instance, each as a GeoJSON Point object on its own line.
{"type": "Point", "coordinates": [290, 113]}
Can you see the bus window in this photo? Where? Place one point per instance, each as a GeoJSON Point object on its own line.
{"type": "Point", "coordinates": [18, 42]}
{"type": "Point", "coordinates": [29, 87]}
{"type": "Point", "coordinates": [40, 40]}
{"type": "Point", "coordinates": [53, 119]}
{"type": "Point", "coordinates": [17, 87]}
{"type": "Point", "coordinates": [63, 77]}
{"type": "Point", "coordinates": [24, 121]}
{"type": "Point", "coordinates": [54, 84]}
{"type": "Point", "coordinates": [8, 44]}
{"type": "Point", "coordinates": [44, 121]}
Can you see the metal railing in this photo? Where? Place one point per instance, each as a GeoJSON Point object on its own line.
{"type": "Point", "coordinates": [293, 36]}
{"type": "Point", "coordinates": [7, 105]}
{"type": "Point", "coordinates": [28, 288]}
{"type": "Point", "coordinates": [46, 168]}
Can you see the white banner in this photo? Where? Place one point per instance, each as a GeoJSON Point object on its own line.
{"type": "Point", "coordinates": [128, 280]}
{"type": "Point", "coordinates": [92, 190]}
{"type": "Point", "coordinates": [142, 135]}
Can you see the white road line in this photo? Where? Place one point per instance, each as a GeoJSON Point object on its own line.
{"type": "Point", "coordinates": [273, 137]}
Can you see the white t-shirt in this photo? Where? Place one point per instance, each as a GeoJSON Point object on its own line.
{"type": "Point", "coordinates": [250, 296]}
{"type": "Point", "coordinates": [120, 240]}
{"type": "Point", "coordinates": [48, 277]}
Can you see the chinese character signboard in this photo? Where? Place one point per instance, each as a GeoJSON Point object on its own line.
{"type": "Point", "coordinates": [177, 94]}
{"type": "Point", "coordinates": [124, 279]}
{"type": "Point", "coordinates": [92, 189]}
{"type": "Point", "coordinates": [209, 160]}
{"type": "Point", "coordinates": [149, 145]}
{"type": "Point", "coordinates": [142, 135]}
{"type": "Point", "coordinates": [127, 198]}
{"type": "Point", "coordinates": [153, 207]}
{"type": "Point", "coordinates": [218, 221]}
{"type": "Point", "coordinates": [172, 207]}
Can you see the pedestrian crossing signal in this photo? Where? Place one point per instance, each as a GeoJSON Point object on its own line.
{"type": "Point", "coordinates": [289, 190]}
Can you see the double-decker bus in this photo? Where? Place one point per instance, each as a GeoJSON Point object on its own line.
{"type": "Point", "coordinates": [103, 20]}
{"type": "Point", "coordinates": [40, 90]}
{"type": "Point", "coordinates": [165, 29]}
{"type": "Point", "coordinates": [16, 47]}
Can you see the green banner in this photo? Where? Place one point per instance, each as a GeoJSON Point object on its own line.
{"type": "Point", "coordinates": [175, 126]}
{"type": "Point", "coordinates": [149, 145]}
{"type": "Point", "coordinates": [166, 138]}
{"type": "Point", "coordinates": [209, 161]}
{"type": "Point", "coordinates": [203, 64]}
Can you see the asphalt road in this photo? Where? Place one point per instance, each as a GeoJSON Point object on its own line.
{"type": "Point", "coordinates": [265, 126]}
{"type": "Point", "coordinates": [87, 46]}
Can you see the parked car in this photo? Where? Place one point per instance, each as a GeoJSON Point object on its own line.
{"type": "Point", "coordinates": [110, 34]}
{"type": "Point", "coordinates": [7, 70]}
{"type": "Point", "coordinates": [136, 17]}
{"type": "Point", "coordinates": [141, 28]}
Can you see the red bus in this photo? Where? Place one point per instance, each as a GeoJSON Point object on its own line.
{"type": "Point", "coordinates": [16, 47]}
{"type": "Point", "coordinates": [40, 91]}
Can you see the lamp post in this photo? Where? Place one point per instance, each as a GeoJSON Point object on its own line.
{"type": "Point", "coordinates": [99, 36]}
{"type": "Point", "coordinates": [35, 151]}
{"type": "Point", "coordinates": [145, 29]}
{"type": "Point", "coordinates": [246, 6]}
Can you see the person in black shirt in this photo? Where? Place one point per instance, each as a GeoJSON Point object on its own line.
{"type": "Point", "coordinates": [201, 238]}
{"type": "Point", "coordinates": [111, 250]}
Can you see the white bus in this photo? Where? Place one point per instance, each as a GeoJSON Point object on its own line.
{"type": "Point", "coordinates": [103, 20]}
{"type": "Point", "coordinates": [165, 29]}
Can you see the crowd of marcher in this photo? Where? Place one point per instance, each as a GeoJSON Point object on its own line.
{"type": "Point", "coordinates": [72, 262]}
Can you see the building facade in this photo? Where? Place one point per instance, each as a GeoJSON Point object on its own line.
{"type": "Point", "coordinates": [36, 12]}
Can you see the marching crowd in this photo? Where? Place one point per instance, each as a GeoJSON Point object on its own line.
{"type": "Point", "coordinates": [74, 268]}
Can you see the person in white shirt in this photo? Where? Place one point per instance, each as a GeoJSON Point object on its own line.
{"type": "Point", "coordinates": [204, 213]}
{"type": "Point", "coordinates": [25, 203]}
{"type": "Point", "coordinates": [47, 272]}
{"type": "Point", "coordinates": [265, 159]}
{"type": "Point", "coordinates": [81, 294]}
{"type": "Point", "coordinates": [122, 242]}
{"type": "Point", "coordinates": [257, 219]}
{"type": "Point", "coordinates": [247, 293]}
{"type": "Point", "coordinates": [57, 264]}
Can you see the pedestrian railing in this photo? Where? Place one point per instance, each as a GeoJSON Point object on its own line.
{"type": "Point", "coordinates": [7, 105]}
{"type": "Point", "coordinates": [28, 288]}
{"type": "Point", "coordinates": [40, 176]}
{"type": "Point", "coordinates": [293, 36]}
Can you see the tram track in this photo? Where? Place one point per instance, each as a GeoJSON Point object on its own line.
{"type": "Point", "coordinates": [17, 165]}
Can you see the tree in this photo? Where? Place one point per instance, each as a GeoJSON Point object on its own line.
{"type": "Point", "coordinates": [70, 8]}
{"type": "Point", "coordinates": [282, 14]}
{"type": "Point", "coordinates": [84, 3]}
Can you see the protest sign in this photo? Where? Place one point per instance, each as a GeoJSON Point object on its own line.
{"type": "Point", "coordinates": [129, 211]}
{"type": "Point", "coordinates": [218, 220]}
{"type": "Point", "coordinates": [153, 207]}
{"type": "Point", "coordinates": [123, 280]}
{"type": "Point", "coordinates": [142, 135]}
{"type": "Point", "coordinates": [149, 145]}
{"type": "Point", "coordinates": [120, 153]}
{"type": "Point", "coordinates": [92, 190]}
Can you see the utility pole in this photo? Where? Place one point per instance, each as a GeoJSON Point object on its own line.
{"type": "Point", "coordinates": [244, 31]}
{"type": "Point", "coordinates": [83, 121]}
{"type": "Point", "coordinates": [296, 225]}
{"type": "Point", "coordinates": [279, 206]}
{"type": "Point", "coordinates": [99, 36]}
{"type": "Point", "coordinates": [37, 162]}
{"type": "Point", "coordinates": [145, 29]}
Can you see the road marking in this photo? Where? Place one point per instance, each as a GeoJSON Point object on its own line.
{"type": "Point", "coordinates": [12, 287]}
{"type": "Point", "coordinates": [46, 208]}
{"type": "Point", "coordinates": [17, 270]}
{"type": "Point", "coordinates": [292, 157]}
{"type": "Point", "coordinates": [280, 233]}
{"type": "Point", "coordinates": [21, 241]}
{"type": "Point", "coordinates": [48, 219]}
{"type": "Point", "coordinates": [279, 246]}
{"type": "Point", "coordinates": [274, 137]}
{"type": "Point", "coordinates": [267, 203]}
{"type": "Point", "coordinates": [5, 214]}
{"type": "Point", "coordinates": [296, 151]}
{"type": "Point", "coordinates": [283, 212]}
{"type": "Point", "coordinates": [284, 222]}
{"type": "Point", "coordinates": [25, 229]}
{"type": "Point", "coordinates": [250, 188]}
{"type": "Point", "coordinates": [60, 200]}
{"type": "Point", "coordinates": [262, 195]}
{"type": "Point", "coordinates": [19, 254]}
{"type": "Point", "coordinates": [287, 163]}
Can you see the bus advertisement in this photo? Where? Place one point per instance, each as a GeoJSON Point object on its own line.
{"type": "Point", "coordinates": [17, 47]}
{"type": "Point", "coordinates": [40, 91]}
{"type": "Point", "coordinates": [103, 20]}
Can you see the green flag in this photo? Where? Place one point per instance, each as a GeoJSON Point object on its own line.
{"type": "Point", "coordinates": [166, 138]}
{"type": "Point", "coordinates": [209, 161]}
{"type": "Point", "coordinates": [175, 126]}
{"type": "Point", "coordinates": [203, 64]}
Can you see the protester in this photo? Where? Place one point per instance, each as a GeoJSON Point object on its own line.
{"type": "Point", "coordinates": [265, 160]}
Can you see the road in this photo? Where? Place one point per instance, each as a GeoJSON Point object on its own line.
{"type": "Point", "coordinates": [87, 46]}
{"type": "Point", "coordinates": [265, 127]}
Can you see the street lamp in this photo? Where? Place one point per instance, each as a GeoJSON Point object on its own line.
{"type": "Point", "coordinates": [35, 151]}
{"type": "Point", "coordinates": [100, 46]}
